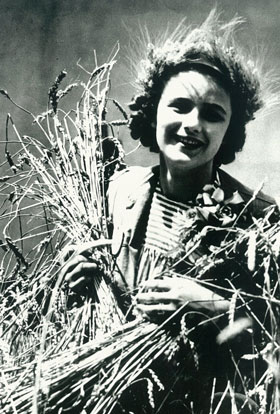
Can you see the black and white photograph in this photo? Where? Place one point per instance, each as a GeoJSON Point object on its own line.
{"type": "Point", "coordinates": [139, 207]}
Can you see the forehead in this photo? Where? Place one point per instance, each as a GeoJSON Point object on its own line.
{"type": "Point", "coordinates": [196, 86]}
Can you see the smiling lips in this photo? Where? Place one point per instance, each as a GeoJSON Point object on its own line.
{"type": "Point", "coordinates": [190, 142]}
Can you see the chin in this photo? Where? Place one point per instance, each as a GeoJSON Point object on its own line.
{"type": "Point", "coordinates": [185, 163]}
{"type": "Point", "coordinates": [180, 159]}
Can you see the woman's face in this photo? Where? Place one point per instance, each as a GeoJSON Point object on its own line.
{"type": "Point", "coordinates": [193, 115]}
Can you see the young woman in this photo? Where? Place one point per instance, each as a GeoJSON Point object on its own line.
{"type": "Point", "coordinates": [198, 92]}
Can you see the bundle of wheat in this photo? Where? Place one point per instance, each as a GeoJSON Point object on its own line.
{"type": "Point", "coordinates": [94, 376]}
{"type": "Point", "coordinates": [57, 193]}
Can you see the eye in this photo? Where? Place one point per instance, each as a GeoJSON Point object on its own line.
{"type": "Point", "coordinates": [181, 106]}
{"type": "Point", "coordinates": [212, 114]}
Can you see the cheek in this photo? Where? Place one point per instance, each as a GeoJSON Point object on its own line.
{"type": "Point", "coordinates": [167, 121]}
{"type": "Point", "coordinates": [217, 134]}
{"type": "Point", "coordinates": [165, 131]}
{"type": "Point", "coordinates": [226, 125]}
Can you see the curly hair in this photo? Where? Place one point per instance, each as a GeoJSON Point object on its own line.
{"type": "Point", "coordinates": [209, 49]}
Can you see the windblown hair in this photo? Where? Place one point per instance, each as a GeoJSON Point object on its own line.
{"type": "Point", "coordinates": [209, 49]}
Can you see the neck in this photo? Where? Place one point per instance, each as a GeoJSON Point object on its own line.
{"type": "Point", "coordinates": [184, 185]}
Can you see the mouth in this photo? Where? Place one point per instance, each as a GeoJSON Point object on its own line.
{"type": "Point", "coordinates": [190, 142]}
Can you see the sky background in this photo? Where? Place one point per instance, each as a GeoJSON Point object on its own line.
{"type": "Point", "coordinates": [39, 38]}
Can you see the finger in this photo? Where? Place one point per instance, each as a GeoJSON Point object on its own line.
{"type": "Point", "coordinates": [155, 309]}
{"type": "Point", "coordinates": [67, 252]}
{"type": "Point", "coordinates": [155, 297]}
{"type": "Point", "coordinates": [158, 284]}
{"type": "Point", "coordinates": [71, 264]}
{"type": "Point", "coordinates": [79, 284]}
{"type": "Point", "coordinates": [85, 249]}
{"type": "Point", "coordinates": [89, 246]}
{"type": "Point", "coordinates": [83, 269]}
{"type": "Point", "coordinates": [74, 262]}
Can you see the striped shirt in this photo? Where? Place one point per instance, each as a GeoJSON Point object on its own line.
{"type": "Point", "coordinates": [167, 218]}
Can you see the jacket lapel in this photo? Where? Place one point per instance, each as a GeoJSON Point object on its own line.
{"type": "Point", "coordinates": [139, 205]}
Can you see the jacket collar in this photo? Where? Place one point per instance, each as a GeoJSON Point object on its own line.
{"type": "Point", "coordinates": [139, 199]}
{"type": "Point", "coordinates": [141, 196]}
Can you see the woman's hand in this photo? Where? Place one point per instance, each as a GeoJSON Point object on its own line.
{"type": "Point", "coordinates": [80, 266]}
{"type": "Point", "coordinates": [166, 295]}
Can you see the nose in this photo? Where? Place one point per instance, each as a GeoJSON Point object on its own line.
{"type": "Point", "coordinates": [191, 121]}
